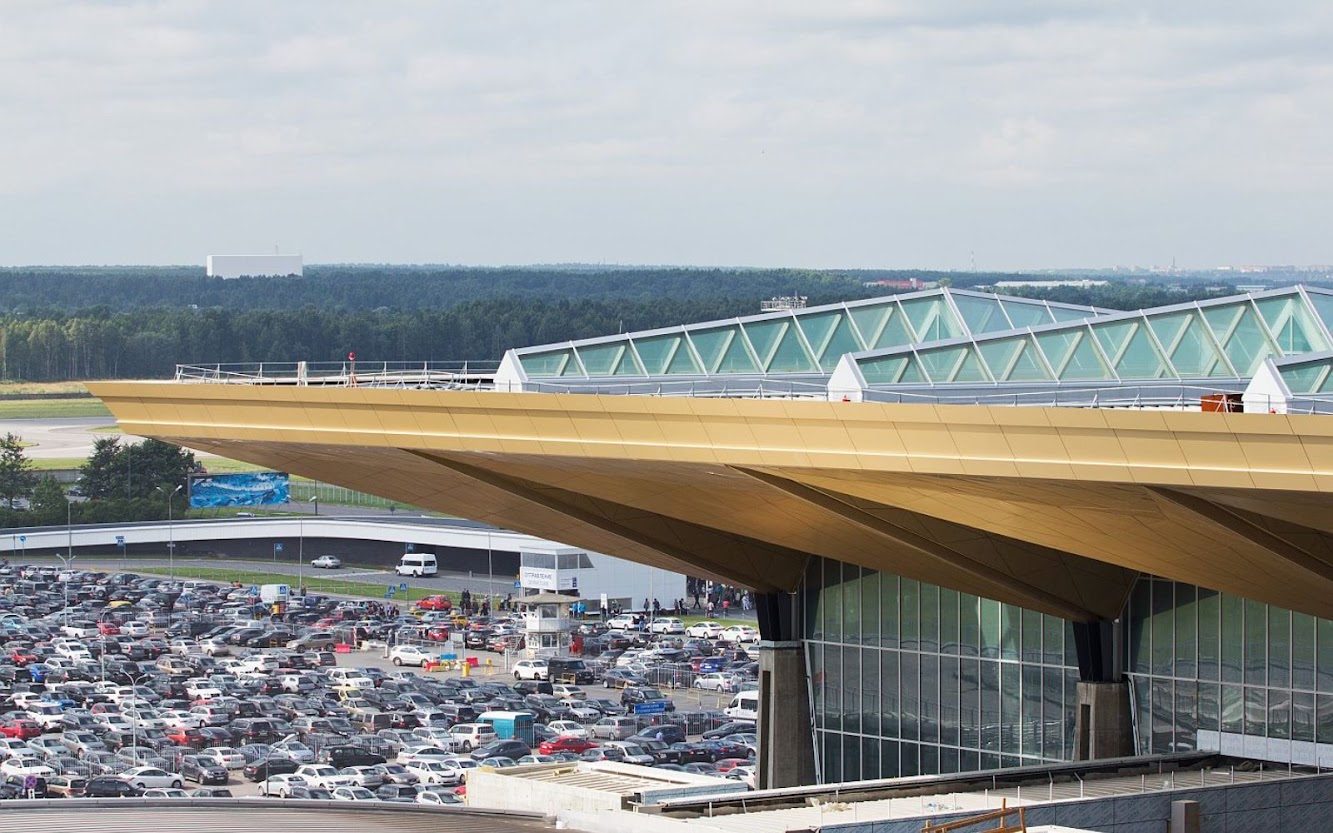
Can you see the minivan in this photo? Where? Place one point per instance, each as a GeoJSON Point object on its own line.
{"type": "Point", "coordinates": [417, 564]}
{"type": "Point", "coordinates": [744, 706]}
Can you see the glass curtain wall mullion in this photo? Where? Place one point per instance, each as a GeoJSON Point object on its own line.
{"type": "Point", "coordinates": [952, 304]}
{"type": "Point", "coordinates": [1308, 300]}
{"type": "Point", "coordinates": [688, 342]}
{"type": "Point", "coordinates": [638, 359]}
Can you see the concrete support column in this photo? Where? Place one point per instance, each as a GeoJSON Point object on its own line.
{"type": "Point", "coordinates": [1103, 724]}
{"type": "Point", "coordinates": [786, 747]}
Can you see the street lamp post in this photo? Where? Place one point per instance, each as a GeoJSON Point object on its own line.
{"type": "Point", "coordinates": [171, 539]}
{"type": "Point", "coordinates": [68, 558]}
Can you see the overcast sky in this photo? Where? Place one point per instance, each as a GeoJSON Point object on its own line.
{"type": "Point", "coordinates": [823, 133]}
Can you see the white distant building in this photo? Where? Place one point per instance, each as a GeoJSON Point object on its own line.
{"type": "Point", "coordinates": [255, 266]}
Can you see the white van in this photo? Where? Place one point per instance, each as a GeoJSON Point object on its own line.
{"type": "Point", "coordinates": [744, 706]}
{"type": "Point", "coordinates": [417, 564]}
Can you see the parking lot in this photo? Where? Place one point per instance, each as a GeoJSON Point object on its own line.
{"type": "Point", "coordinates": [117, 683]}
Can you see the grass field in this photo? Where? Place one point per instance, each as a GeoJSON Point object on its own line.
{"type": "Point", "coordinates": [41, 388]}
{"type": "Point", "coordinates": [51, 408]}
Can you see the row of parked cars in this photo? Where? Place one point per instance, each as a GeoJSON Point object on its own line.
{"type": "Point", "coordinates": [145, 686]}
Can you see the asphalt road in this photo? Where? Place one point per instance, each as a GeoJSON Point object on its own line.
{"type": "Point", "coordinates": [452, 582]}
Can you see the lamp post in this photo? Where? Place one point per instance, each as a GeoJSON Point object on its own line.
{"type": "Point", "coordinates": [171, 539]}
{"type": "Point", "coordinates": [68, 557]}
{"type": "Point", "coordinates": [300, 547]}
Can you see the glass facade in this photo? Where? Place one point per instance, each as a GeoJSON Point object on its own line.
{"type": "Point", "coordinates": [908, 678]}
{"type": "Point", "coordinates": [1226, 338]}
{"type": "Point", "coordinates": [1210, 671]}
{"type": "Point", "coordinates": [805, 341]}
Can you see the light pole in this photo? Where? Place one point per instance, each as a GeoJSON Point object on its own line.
{"type": "Point", "coordinates": [490, 571]}
{"type": "Point", "coordinates": [300, 547]}
{"type": "Point", "coordinates": [171, 540]}
{"type": "Point", "coordinates": [68, 558]}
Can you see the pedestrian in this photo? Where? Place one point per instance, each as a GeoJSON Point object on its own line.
{"type": "Point", "coordinates": [710, 608]}
{"type": "Point", "coordinates": [726, 603]}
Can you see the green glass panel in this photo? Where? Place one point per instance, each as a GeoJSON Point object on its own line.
{"type": "Point", "coordinates": [1028, 367]}
{"type": "Point", "coordinates": [710, 345]}
{"type": "Point", "coordinates": [1131, 348]}
{"type": "Point", "coordinates": [836, 339]}
{"type": "Point", "coordinates": [545, 364]}
{"type": "Point", "coordinates": [931, 319]}
{"type": "Point", "coordinates": [1057, 346]}
{"type": "Point", "coordinates": [600, 359]}
{"type": "Point", "coordinates": [629, 364]}
{"type": "Point", "coordinates": [737, 359]}
{"type": "Point", "coordinates": [1248, 344]}
{"type": "Point", "coordinates": [1305, 378]}
{"type": "Point", "coordinates": [1194, 353]}
{"type": "Point", "coordinates": [941, 363]}
{"type": "Point", "coordinates": [1027, 315]}
{"type": "Point", "coordinates": [1167, 328]}
{"type": "Point", "coordinates": [883, 371]}
{"type": "Point", "coordinates": [764, 337]}
{"type": "Point", "coordinates": [999, 355]}
{"type": "Point", "coordinates": [817, 328]}
{"type": "Point", "coordinates": [1292, 325]}
{"type": "Point", "coordinates": [683, 363]}
{"type": "Point", "coordinates": [912, 373]}
{"type": "Point", "coordinates": [1085, 362]}
{"type": "Point", "coordinates": [895, 332]}
{"type": "Point", "coordinates": [971, 370]}
{"type": "Point", "coordinates": [572, 367]}
{"type": "Point", "coordinates": [656, 352]}
{"type": "Point", "coordinates": [869, 320]}
{"type": "Point", "coordinates": [1221, 319]}
{"type": "Point", "coordinates": [982, 315]}
{"type": "Point", "coordinates": [1323, 307]}
{"type": "Point", "coordinates": [790, 356]}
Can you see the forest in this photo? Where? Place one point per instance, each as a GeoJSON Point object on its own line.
{"type": "Point", "coordinates": [98, 323]}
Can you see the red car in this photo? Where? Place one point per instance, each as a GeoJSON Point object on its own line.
{"type": "Point", "coordinates": [439, 633]}
{"type": "Point", "coordinates": [728, 764]}
{"type": "Point", "coordinates": [22, 656]}
{"type": "Point", "coordinates": [108, 629]}
{"type": "Point", "coordinates": [566, 744]}
{"type": "Point", "coordinates": [435, 603]}
{"type": "Point", "coordinates": [21, 729]}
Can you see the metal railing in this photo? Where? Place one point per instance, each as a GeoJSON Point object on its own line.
{"type": "Point", "coordinates": [424, 375]}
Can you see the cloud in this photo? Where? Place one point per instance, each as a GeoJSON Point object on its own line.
{"type": "Point", "coordinates": [853, 108]}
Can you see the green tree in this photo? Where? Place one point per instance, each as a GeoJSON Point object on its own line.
{"type": "Point", "coordinates": [16, 477]}
{"type": "Point", "coordinates": [49, 503]}
{"type": "Point", "coordinates": [102, 477]}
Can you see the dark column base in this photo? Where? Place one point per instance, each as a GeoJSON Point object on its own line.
{"type": "Point", "coordinates": [1103, 726]}
{"type": "Point", "coordinates": [786, 746]}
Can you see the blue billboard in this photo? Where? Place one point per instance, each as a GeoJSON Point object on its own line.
{"type": "Point", "coordinates": [260, 488]}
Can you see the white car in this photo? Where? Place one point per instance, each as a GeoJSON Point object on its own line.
{"type": "Point", "coordinates": [469, 736]}
{"type": "Point", "coordinates": [327, 562]}
{"type": "Point", "coordinates": [716, 681]}
{"type": "Point", "coordinates": [147, 777]}
{"type": "Point", "coordinates": [324, 776]}
{"type": "Point", "coordinates": [177, 719]}
{"type": "Point", "coordinates": [425, 752]}
{"type": "Point", "coordinates": [410, 655]}
{"type": "Point", "coordinates": [704, 630]}
{"type": "Point", "coordinates": [739, 633]}
{"type": "Point", "coordinates": [622, 622]}
{"type": "Point", "coordinates": [568, 729]}
{"type": "Point", "coordinates": [295, 750]}
{"type": "Point", "coordinates": [364, 776]}
{"type": "Point", "coordinates": [226, 755]}
{"type": "Point", "coordinates": [437, 798]}
{"type": "Point", "coordinates": [568, 692]}
{"type": "Point", "coordinates": [26, 766]}
{"type": "Point", "coordinates": [531, 669]}
{"type": "Point", "coordinates": [134, 628]}
{"type": "Point", "coordinates": [353, 794]}
{"type": "Point", "coordinates": [280, 785]}
{"type": "Point", "coordinates": [449, 771]}
{"type": "Point", "coordinates": [667, 625]}
{"type": "Point", "coordinates": [165, 792]}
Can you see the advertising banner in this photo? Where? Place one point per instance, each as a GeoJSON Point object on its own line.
{"type": "Point", "coordinates": [261, 488]}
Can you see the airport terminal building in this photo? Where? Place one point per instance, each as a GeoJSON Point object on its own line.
{"type": "Point", "coordinates": [983, 531]}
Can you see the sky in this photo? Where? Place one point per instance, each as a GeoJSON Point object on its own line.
{"type": "Point", "coordinates": [1009, 134]}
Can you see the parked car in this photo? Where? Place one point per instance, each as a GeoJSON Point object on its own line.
{"type": "Point", "coordinates": [326, 562]}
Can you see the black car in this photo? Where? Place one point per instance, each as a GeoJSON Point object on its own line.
{"type": "Point", "coordinates": [669, 732]}
{"type": "Point", "coordinates": [203, 771]}
{"type": "Point", "coordinates": [502, 749]}
{"type": "Point", "coordinates": [735, 727]}
{"type": "Point", "coordinates": [260, 770]}
{"type": "Point", "coordinates": [345, 756]}
{"type": "Point", "coordinates": [109, 786]}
